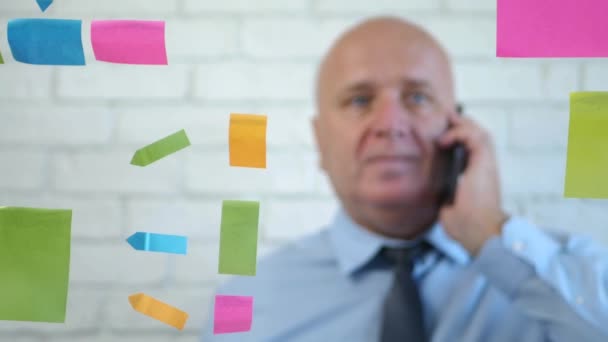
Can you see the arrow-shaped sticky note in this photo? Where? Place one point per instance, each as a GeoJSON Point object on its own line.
{"type": "Point", "coordinates": [162, 243]}
{"type": "Point", "coordinates": [44, 4]}
{"type": "Point", "coordinates": [158, 310]}
{"type": "Point", "coordinates": [160, 149]}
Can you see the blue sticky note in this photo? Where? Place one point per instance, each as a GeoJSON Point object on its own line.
{"type": "Point", "coordinates": [151, 242]}
{"type": "Point", "coordinates": [46, 41]}
{"type": "Point", "coordinates": [44, 4]}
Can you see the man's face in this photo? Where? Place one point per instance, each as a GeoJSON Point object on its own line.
{"type": "Point", "coordinates": [383, 102]}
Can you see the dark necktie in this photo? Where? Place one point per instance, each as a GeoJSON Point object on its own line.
{"type": "Point", "coordinates": [402, 313]}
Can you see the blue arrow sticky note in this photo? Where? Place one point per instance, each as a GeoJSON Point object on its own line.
{"type": "Point", "coordinates": [162, 243]}
{"type": "Point", "coordinates": [46, 41]}
{"type": "Point", "coordinates": [44, 4]}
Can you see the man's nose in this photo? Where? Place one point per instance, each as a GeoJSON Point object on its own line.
{"type": "Point", "coordinates": [391, 119]}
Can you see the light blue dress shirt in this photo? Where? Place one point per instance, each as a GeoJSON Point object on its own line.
{"type": "Point", "coordinates": [525, 285]}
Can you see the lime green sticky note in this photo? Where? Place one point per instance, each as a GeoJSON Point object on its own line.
{"type": "Point", "coordinates": [160, 149]}
{"type": "Point", "coordinates": [239, 237]}
{"type": "Point", "coordinates": [34, 264]}
{"type": "Point", "coordinates": [1, 60]}
{"type": "Point", "coordinates": [587, 161]}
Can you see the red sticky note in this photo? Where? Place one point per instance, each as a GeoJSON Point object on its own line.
{"type": "Point", "coordinates": [552, 28]}
{"type": "Point", "coordinates": [232, 314]}
{"type": "Point", "coordinates": [129, 41]}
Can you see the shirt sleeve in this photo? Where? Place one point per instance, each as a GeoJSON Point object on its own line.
{"type": "Point", "coordinates": [561, 281]}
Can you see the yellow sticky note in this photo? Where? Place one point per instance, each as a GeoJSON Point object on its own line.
{"type": "Point", "coordinates": [248, 140]}
{"type": "Point", "coordinates": [587, 161]}
{"type": "Point", "coordinates": [158, 310]}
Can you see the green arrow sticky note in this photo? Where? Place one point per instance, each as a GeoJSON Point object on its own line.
{"type": "Point", "coordinates": [239, 237]}
{"type": "Point", "coordinates": [587, 159]}
{"type": "Point", "coordinates": [160, 149]}
{"type": "Point", "coordinates": [34, 264]}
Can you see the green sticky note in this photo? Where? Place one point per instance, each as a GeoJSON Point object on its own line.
{"type": "Point", "coordinates": [1, 60]}
{"type": "Point", "coordinates": [34, 264]}
{"type": "Point", "coordinates": [160, 149]}
{"type": "Point", "coordinates": [239, 237]}
{"type": "Point", "coordinates": [587, 161]}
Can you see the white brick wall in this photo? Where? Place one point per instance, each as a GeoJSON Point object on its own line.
{"type": "Point", "coordinates": [67, 135]}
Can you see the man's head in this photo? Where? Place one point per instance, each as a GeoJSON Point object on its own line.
{"type": "Point", "coordinates": [384, 93]}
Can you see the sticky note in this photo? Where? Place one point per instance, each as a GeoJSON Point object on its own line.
{"type": "Point", "coordinates": [232, 314]}
{"type": "Point", "coordinates": [587, 153]}
{"type": "Point", "coordinates": [239, 237]}
{"type": "Point", "coordinates": [158, 310]}
{"type": "Point", "coordinates": [552, 28]}
{"type": "Point", "coordinates": [129, 41]}
{"type": "Point", "coordinates": [34, 264]}
{"type": "Point", "coordinates": [1, 59]}
{"type": "Point", "coordinates": [44, 4]}
{"type": "Point", "coordinates": [248, 140]}
{"type": "Point", "coordinates": [160, 149]}
{"type": "Point", "coordinates": [163, 243]}
{"type": "Point", "coordinates": [46, 41]}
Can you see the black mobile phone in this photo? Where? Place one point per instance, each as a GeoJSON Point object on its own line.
{"type": "Point", "coordinates": [453, 162]}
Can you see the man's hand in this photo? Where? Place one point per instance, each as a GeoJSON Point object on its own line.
{"type": "Point", "coordinates": [476, 214]}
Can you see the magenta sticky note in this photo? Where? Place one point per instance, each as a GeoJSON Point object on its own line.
{"type": "Point", "coordinates": [552, 28]}
{"type": "Point", "coordinates": [129, 41]}
{"type": "Point", "coordinates": [232, 314]}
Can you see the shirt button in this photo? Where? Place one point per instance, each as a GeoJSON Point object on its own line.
{"type": "Point", "coordinates": [518, 246]}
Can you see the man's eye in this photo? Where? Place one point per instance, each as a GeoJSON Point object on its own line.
{"type": "Point", "coordinates": [360, 101]}
{"type": "Point", "coordinates": [418, 98]}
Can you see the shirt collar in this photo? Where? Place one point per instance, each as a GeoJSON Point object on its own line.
{"type": "Point", "coordinates": [355, 246]}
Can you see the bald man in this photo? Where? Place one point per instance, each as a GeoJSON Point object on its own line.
{"type": "Point", "coordinates": [398, 263]}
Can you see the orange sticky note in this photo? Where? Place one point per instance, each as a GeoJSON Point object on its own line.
{"type": "Point", "coordinates": [158, 310]}
{"type": "Point", "coordinates": [248, 140]}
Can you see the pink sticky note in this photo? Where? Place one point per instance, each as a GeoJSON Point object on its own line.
{"type": "Point", "coordinates": [232, 314]}
{"type": "Point", "coordinates": [552, 28]}
{"type": "Point", "coordinates": [129, 41]}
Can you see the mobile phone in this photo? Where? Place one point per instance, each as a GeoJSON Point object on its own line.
{"type": "Point", "coordinates": [453, 162]}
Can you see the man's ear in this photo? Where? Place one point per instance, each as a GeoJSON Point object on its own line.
{"type": "Point", "coordinates": [319, 138]}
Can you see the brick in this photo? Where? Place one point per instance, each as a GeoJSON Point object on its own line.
{"type": "Point", "coordinates": [254, 81]}
{"type": "Point", "coordinates": [195, 219]}
{"type": "Point", "coordinates": [189, 39]}
{"type": "Point", "coordinates": [92, 7]}
{"type": "Point", "coordinates": [595, 77]}
{"type": "Point", "coordinates": [296, 37]}
{"type": "Point", "coordinates": [115, 263]}
{"type": "Point", "coordinates": [100, 81]}
{"type": "Point", "coordinates": [291, 219]}
{"type": "Point", "coordinates": [91, 217]}
{"type": "Point", "coordinates": [22, 170]}
{"type": "Point", "coordinates": [472, 5]}
{"type": "Point", "coordinates": [55, 125]}
{"type": "Point", "coordinates": [286, 172]}
{"type": "Point", "coordinates": [363, 6]}
{"type": "Point", "coordinates": [244, 6]}
{"type": "Point", "coordinates": [539, 128]}
{"type": "Point", "coordinates": [493, 119]}
{"type": "Point", "coordinates": [111, 171]}
{"type": "Point", "coordinates": [532, 174]}
{"type": "Point", "coordinates": [498, 82]}
{"type": "Point", "coordinates": [462, 36]}
{"type": "Point", "coordinates": [24, 82]}
{"type": "Point", "coordinates": [559, 80]}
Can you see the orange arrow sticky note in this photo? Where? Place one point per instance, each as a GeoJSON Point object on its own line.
{"type": "Point", "coordinates": [158, 310]}
{"type": "Point", "coordinates": [248, 140]}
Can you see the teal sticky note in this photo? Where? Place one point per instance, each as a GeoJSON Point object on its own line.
{"type": "Point", "coordinates": [44, 4]}
{"type": "Point", "coordinates": [46, 41]}
{"type": "Point", "coordinates": [239, 237]}
{"type": "Point", "coordinates": [34, 264]}
{"type": "Point", "coordinates": [160, 149]}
